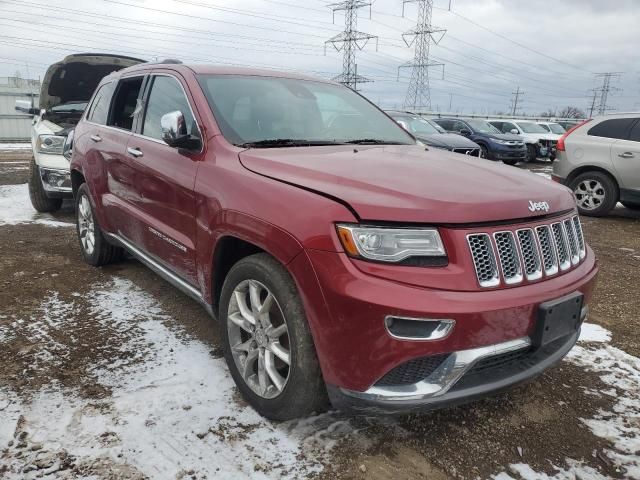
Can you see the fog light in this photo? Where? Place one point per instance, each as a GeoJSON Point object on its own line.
{"type": "Point", "coordinates": [404, 328]}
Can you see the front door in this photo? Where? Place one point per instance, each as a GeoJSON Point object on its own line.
{"type": "Point", "coordinates": [625, 155]}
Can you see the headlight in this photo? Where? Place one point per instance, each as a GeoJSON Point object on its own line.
{"type": "Point", "coordinates": [52, 144]}
{"type": "Point", "coordinates": [497, 140]}
{"type": "Point", "coordinates": [390, 244]}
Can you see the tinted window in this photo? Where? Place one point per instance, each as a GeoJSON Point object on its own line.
{"type": "Point", "coordinates": [99, 109]}
{"type": "Point", "coordinates": [635, 132]}
{"type": "Point", "coordinates": [446, 124]}
{"type": "Point", "coordinates": [482, 126]}
{"type": "Point", "coordinates": [614, 128]}
{"type": "Point", "coordinates": [166, 96]}
{"type": "Point", "coordinates": [458, 126]}
{"type": "Point", "coordinates": [125, 103]}
{"type": "Point", "coordinates": [530, 127]}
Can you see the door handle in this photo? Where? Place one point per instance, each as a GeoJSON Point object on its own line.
{"type": "Point", "coordinates": [96, 138]}
{"type": "Point", "coordinates": [626, 155]}
{"type": "Point", "coordinates": [134, 152]}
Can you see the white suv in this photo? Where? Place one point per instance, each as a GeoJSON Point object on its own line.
{"type": "Point", "coordinates": [600, 161]}
{"type": "Point", "coordinates": [66, 89]}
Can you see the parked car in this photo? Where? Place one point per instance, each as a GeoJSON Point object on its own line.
{"type": "Point", "coordinates": [342, 260]}
{"type": "Point", "coordinates": [540, 144]}
{"type": "Point", "coordinates": [433, 135]}
{"type": "Point", "coordinates": [65, 90]}
{"type": "Point", "coordinates": [553, 127]}
{"type": "Point", "coordinates": [600, 161]}
{"type": "Point", "coordinates": [568, 124]}
{"type": "Point", "coordinates": [494, 145]}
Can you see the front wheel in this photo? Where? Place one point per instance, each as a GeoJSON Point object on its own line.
{"type": "Point", "coordinates": [484, 152]}
{"type": "Point", "coordinates": [532, 154]}
{"type": "Point", "coordinates": [596, 193]}
{"type": "Point", "coordinates": [267, 342]}
{"type": "Point", "coordinates": [37, 195]}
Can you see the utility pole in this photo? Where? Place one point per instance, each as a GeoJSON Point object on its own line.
{"type": "Point", "coordinates": [349, 41]}
{"type": "Point", "coordinates": [418, 93]}
{"type": "Point", "coordinates": [514, 103]}
{"type": "Point", "coordinates": [605, 89]}
{"type": "Point", "coordinates": [593, 102]}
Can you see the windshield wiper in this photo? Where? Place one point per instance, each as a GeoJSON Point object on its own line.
{"type": "Point", "coordinates": [287, 142]}
{"type": "Point", "coordinates": [373, 141]}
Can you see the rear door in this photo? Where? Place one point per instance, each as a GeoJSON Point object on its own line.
{"type": "Point", "coordinates": [163, 194]}
{"type": "Point", "coordinates": [625, 155]}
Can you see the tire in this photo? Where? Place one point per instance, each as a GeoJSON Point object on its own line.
{"type": "Point", "coordinates": [532, 154]}
{"type": "Point", "coordinates": [301, 390]}
{"type": "Point", "coordinates": [484, 152]}
{"type": "Point", "coordinates": [510, 161]}
{"type": "Point", "coordinates": [631, 206]}
{"type": "Point", "coordinates": [37, 195]}
{"type": "Point", "coordinates": [101, 251]}
{"type": "Point", "coordinates": [596, 193]}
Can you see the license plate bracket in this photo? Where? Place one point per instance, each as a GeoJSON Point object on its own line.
{"type": "Point", "coordinates": [558, 318]}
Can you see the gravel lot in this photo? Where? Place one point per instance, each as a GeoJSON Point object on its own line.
{"type": "Point", "coordinates": [112, 373]}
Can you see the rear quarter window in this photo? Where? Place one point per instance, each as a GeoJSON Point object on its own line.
{"type": "Point", "coordinates": [634, 136]}
{"type": "Point", "coordinates": [99, 109]}
{"type": "Point", "coordinates": [617, 128]}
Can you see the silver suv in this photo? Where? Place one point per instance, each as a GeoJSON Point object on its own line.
{"type": "Point", "coordinates": [600, 161]}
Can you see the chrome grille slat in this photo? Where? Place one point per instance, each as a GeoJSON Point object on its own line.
{"type": "Point", "coordinates": [571, 240]}
{"type": "Point", "coordinates": [509, 257]}
{"type": "Point", "coordinates": [530, 254]}
{"type": "Point", "coordinates": [484, 259]}
{"type": "Point", "coordinates": [549, 254]}
{"type": "Point", "coordinates": [560, 243]}
{"type": "Point", "coordinates": [577, 226]}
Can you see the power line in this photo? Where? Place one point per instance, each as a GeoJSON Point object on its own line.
{"type": "Point", "coordinates": [349, 41]}
{"type": "Point", "coordinates": [418, 96]}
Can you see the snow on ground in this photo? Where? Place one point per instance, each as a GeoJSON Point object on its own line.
{"type": "Point", "coordinates": [621, 426]}
{"type": "Point", "coordinates": [15, 146]}
{"type": "Point", "coordinates": [16, 208]}
{"type": "Point", "coordinates": [173, 414]}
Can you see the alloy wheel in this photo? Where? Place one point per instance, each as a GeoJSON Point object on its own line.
{"type": "Point", "coordinates": [259, 338]}
{"type": "Point", "coordinates": [590, 194]}
{"type": "Point", "coordinates": [86, 225]}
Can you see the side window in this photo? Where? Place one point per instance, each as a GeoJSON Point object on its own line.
{"type": "Point", "coordinates": [614, 128]}
{"type": "Point", "coordinates": [167, 96]}
{"type": "Point", "coordinates": [459, 126]}
{"type": "Point", "coordinates": [446, 124]}
{"type": "Point", "coordinates": [125, 103]}
{"type": "Point", "coordinates": [507, 127]}
{"type": "Point", "coordinates": [99, 109]}
{"type": "Point", "coordinates": [635, 132]}
{"type": "Point", "coordinates": [498, 125]}
{"type": "Point", "coordinates": [546, 127]}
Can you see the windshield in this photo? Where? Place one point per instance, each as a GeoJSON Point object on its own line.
{"type": "Point", "coordinates": [275, 112]}
{"type": "Point", "coordinates": [530, 127]}
{"type": "Point", "coordinates": [556, 128]}
{"type": "Point", "coordinates": [70, 107]}
{"type": "Point", "coordinates": [417, 126]}
{"type": "Point", "coordinates": [482, 126]}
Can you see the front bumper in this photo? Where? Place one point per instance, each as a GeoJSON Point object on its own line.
{"type": "Point", "coordinates": [461, 378]}
{"type": "Point", "coordinates": [56, 182]}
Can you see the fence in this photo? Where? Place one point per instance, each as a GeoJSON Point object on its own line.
{"type": "Point", "coordinates": [16, 126]}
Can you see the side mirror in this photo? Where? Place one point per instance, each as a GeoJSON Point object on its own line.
{"type": "Point", "coordinates": [466, 132]}
{"type": "Point", "coordinates": [174, 131]}
{"type": "Point", "coordinates": [24, 106]}
{"type": "Point", "coordinates": [514, 131]}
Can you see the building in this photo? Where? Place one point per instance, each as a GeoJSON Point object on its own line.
{"type": "Point", "coordinates": [16, 126]}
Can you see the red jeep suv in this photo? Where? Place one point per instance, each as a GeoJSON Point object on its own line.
{"type": "Point", "coordinates": [343, 261]}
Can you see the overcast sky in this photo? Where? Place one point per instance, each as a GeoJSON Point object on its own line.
{"type": "Point", "coordinates": [549, 48]}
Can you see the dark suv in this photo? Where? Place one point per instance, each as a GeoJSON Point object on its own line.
{"type": "Point", "coordinates": [494, 144]}
{"type": "Point", "coordinates": [342, 260]}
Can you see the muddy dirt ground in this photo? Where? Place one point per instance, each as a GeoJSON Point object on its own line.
{"type": "Point", "coordinates": [65, 335]}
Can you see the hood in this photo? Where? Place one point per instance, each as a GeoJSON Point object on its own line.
{"type": "Point", "coordinates": [406, 183]}
{"type": "Point", "coordinates": [504, 136]}
{"type": "Point", "coordinates": [76, 77]}
{"type": "Point", "coordinates": [447, 140]}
